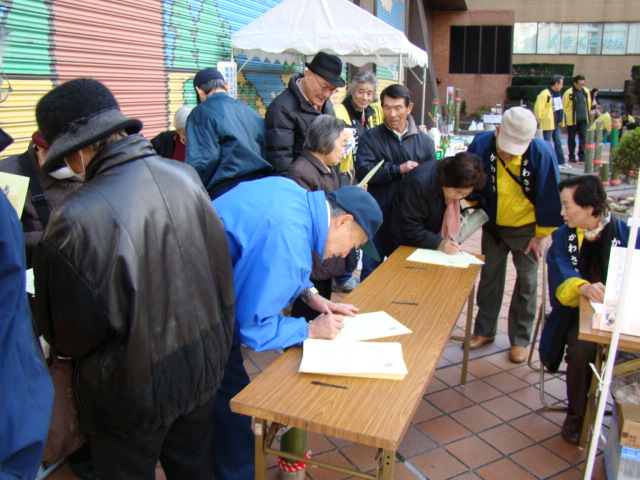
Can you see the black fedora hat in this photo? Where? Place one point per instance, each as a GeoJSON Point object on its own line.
{"type": "Point", "coordinates": [328, 67]}
{"type": "Point", "coordinates": [76, 114]}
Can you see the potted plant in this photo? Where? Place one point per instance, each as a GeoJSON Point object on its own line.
{"type": "Point", "coordinates": [626, 157]}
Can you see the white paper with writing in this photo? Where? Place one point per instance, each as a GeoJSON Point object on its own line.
{"type": "Point", "coordinates": [367, 326]}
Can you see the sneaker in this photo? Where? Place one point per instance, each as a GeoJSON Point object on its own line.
{"type": "Point", "coordinates": [345, 287]}
{"type": "Point", "coordinates": [565, 166]}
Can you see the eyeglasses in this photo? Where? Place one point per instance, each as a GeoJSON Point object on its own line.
{"type": "Point", "coordinates": [325, 88]}
{"type": "Point", "coordinates": [5, 90]}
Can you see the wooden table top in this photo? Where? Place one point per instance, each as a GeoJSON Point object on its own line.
{"type": "Point", "coordinates": [370, 411]}
{"type": "Point", "coordinates": [587, 332]}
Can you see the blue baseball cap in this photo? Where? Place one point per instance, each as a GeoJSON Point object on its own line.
{"type": "Point", "coordinates": [365, 210]}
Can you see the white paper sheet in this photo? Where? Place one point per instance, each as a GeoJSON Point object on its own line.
{"type": "Point", "coordinates": [436, 257]}
{"type": "Point", "coordinates": [367, 326]}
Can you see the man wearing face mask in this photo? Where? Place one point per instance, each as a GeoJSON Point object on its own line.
{"type": "Point", "coordinates": [45, 192]}
{"type": "Point", "coordinates": [133, 280]}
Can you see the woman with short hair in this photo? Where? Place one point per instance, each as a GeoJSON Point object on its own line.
{"type": "Point", "coordinates": [425, 211]}
{"type": "Point", "coordinates": [315, 169]}
{"type": "Point", "coordinates": [578, 260]}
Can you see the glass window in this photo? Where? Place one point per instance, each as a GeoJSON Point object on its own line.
{"type": "Point", "coordinates": [633, 40]}
{"type": "Point", "coordinates": [569, 38]}
{"type": "Point", "coordinates": [524, 37]}
{"type": "Point", "coordinates": [548, 38]}
{"type": "Point", "coordinates": [590, 39]}
{"type": "Point", "coordinates": [614, 38]}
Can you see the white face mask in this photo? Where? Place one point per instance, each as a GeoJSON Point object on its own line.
{"type": "Point", "coordinates": [80, 176]}
{"type": "Point", "coordinates": [62, 173]}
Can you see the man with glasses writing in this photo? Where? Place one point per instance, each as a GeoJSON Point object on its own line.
{"type": "Point", "coordinates": [290, 114]}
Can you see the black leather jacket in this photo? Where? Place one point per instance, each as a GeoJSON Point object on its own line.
{"type": "Point", "coordinates": [134, 280]}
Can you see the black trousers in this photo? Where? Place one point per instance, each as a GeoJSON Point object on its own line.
{"type": "Point", "coordinates": [183, 449]}
{"type": "Point", "coordinates": [579, 355]}
{"type": "Point", "coordinates": [581, 130]}
{"type": "Point", "coordinates": [301, 309]}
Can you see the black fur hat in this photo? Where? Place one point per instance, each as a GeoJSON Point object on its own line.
{"type": "Point", "coordinates": [76, 114]}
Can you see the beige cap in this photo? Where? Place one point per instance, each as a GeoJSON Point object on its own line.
{"type": "Point", "coordinates": [517, 129]}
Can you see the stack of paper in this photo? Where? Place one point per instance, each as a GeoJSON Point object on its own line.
{"type": "Point", "coordinates": [353, 359]}
{"type": "Point", "coordinates": [436, 257]}
{"type": "Point", "coordinates": [347, 356]}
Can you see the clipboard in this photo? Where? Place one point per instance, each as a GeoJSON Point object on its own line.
{"type": "Point", "coordinates": [371, 173]}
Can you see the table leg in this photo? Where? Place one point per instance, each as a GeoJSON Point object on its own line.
{"type": "Point", "coordinates": [260, 455]}
{"type": "Point", "coordinates": [387, 461]}
{"type": "Point", "coordinates": [467, 336]}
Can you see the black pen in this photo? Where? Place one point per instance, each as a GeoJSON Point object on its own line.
{"type": "Point", "coordinates": [405, 303]}
{"type": "Point", "coordinates": [417, 268]}
{"type": "Point", "coordinates": [322, 384]}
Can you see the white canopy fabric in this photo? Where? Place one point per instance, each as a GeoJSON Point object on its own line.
{"type": "Point", "coordinates": [298, 28]}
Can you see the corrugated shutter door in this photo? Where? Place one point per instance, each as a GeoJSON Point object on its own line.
{"type": "Point", "coordinates": [146, 51]}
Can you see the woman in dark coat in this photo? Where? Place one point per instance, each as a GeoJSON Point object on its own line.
{"type": "Point", "coordinates": [316, 169]}
{"type": "Point", "coordinates": [425, 211]}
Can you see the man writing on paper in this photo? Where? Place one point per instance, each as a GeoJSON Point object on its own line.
{"type": "Point", "coordinates": [522, 201]}
{"type": "Point", "coordinates": [400, 144]}
{"type": "Point", "coordinates": [273, 227]}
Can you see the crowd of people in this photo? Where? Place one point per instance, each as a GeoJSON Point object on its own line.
{"type": "Point", "coordinates": [578, 109]}
{"type": "Point", "coordinates": [155, 261]}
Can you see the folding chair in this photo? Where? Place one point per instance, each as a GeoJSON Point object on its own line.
{"type": "Point", "coordinates": [542, 314]}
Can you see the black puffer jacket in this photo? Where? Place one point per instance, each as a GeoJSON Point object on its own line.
{"type": "Point", "coordinates": [417, 210]}
{"type": "Point", "coordinates": [380, 143]}
{"type": "Point", "coordinates": [134, 279]}
{"type": "Point", "coordinates": [288, 118]}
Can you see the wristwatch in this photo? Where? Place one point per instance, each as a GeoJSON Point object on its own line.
{"type": "Point", "coordinates": [307, 294]}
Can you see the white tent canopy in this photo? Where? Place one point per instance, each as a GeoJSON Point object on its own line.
{"type": "Point", "coordinates": [295, 29]}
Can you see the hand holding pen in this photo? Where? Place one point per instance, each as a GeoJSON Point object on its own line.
{"type": "Point", "coordinates": [449, 247]}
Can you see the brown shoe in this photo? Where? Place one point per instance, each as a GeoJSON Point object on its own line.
{"type": "Point", "coordinates": [477, 341]}
{"type": "Point", "coordinates": [518, 354]}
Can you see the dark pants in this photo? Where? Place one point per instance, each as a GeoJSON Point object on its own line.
{"type": "Point", "coordinates": [369, 264]}
{"type": "Point", "coordinates": [579, 355]}
{"type": "Point", "coordinates": [182, 448]}
{"type": "Point", "coordinates": [556, 135]}
{"type": "Point", "coordinates": [233, 446]}
{"type": "Point", "coordinates": [301, 309]}
{"type": "Point", "coordinates": [581, 130]}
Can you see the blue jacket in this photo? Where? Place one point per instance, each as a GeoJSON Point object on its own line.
{"type": "Point", "coordinates": [225, 141]}
{"type": "Point", "coordinates": [273, 225]}
{"type": "Point", "coordinates": [545, 179]}
{"type": "Point", "coordinates": [560, 268]}
{"type": "Point", "coordinates": [26, 393]}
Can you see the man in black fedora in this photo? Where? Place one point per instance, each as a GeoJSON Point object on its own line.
{"type": "Point", "coordinates": [134, 282]}
{"type": "Point", "coordinates": [290, 113]}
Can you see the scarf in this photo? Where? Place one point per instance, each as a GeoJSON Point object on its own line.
{"type": "Point", "coordinates": [451, 223]}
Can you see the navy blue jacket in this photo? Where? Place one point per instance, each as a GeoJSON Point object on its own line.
{"type": "Point", "coordinates": [226, 141]}
{"type": "Point", "coordinates": [26, 393]}
{"type": "Point", "coordinates": [545, 179]}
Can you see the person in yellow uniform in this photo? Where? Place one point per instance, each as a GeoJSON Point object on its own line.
{"type": "Point", "coordinates": [577, 103]}
{"type": "Point", "coordinates": [548, 109]}
{"type": "Point", "coordinates": [522, 201]}
{"type": "Point", "coordinates": [360, 111]}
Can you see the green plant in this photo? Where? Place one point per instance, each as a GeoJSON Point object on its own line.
{"type": "Point", "coordinates": [542, 69]}
{"type": "Point", "coordinates": [482, 109]}
{"type": "Point", "coordinates": [626, 157]}
{"type": "Point", "coordinates": [635, 72]}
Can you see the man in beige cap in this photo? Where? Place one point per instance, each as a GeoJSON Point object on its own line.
{"type": "Point", "coordinates": [522, 200]}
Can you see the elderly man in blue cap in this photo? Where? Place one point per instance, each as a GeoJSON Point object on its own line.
{"type": "Point", "coordinates": [226, 137]}
{"type": "Point", "coordinates": [273, 227]}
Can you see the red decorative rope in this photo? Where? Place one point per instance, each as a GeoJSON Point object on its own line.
{"type": "Point", "coordinates": [293, 466]}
